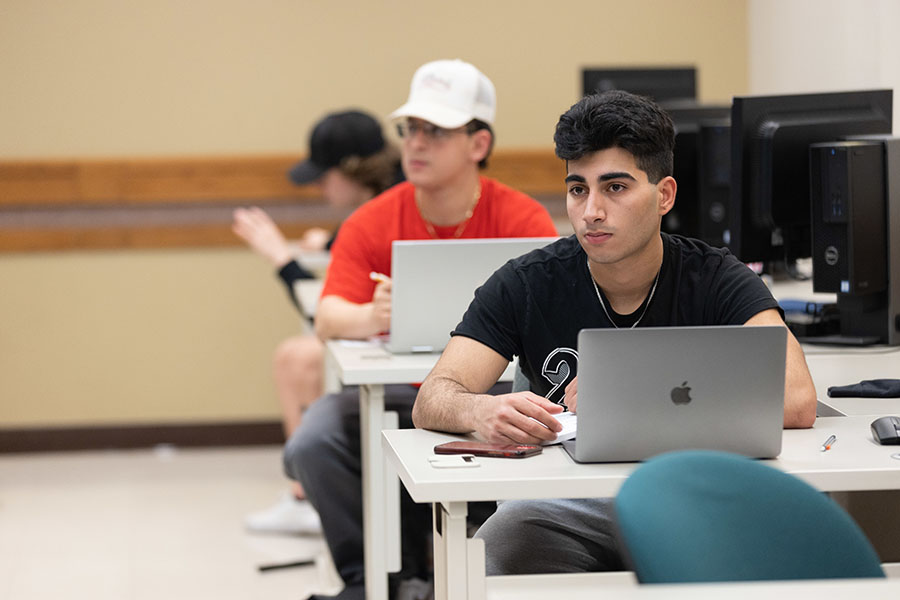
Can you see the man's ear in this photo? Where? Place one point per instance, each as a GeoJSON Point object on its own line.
{"type": "Point", "coordinates": [666, 189]}
{"type": "Point", "coordinates": [481, 144]}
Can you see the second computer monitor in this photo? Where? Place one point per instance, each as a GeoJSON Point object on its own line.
{"type": "Point", "coordinates": [663, 84]}
{"type": "Point", "coordinates": [770, 140]}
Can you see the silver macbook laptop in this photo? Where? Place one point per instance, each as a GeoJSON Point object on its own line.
{"type": "Point", "coordinates": [433, 282]}
{"type": "Point", "coordinates": [644, 391]}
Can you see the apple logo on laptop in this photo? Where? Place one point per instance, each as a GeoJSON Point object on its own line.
{"type": "Point", "coordinates": [681, 394]}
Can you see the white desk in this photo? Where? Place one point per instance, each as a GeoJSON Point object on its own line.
{"type": "Point", "coordinates": [855, 463]}
{"type": "Point", "coordinates": [541, 587]}
{"type": "Point", "coordinates": [874, 511]}
{"type": "Point", "coordinates": [308, 292]}
{"type": "Point", "coordinates": [370, 366]}
{"type": "Point", "coordinates": [316, 261]}
{"type": "Point", "coordinates": [830, 366]}
{"type": "Point", "coordinates": [843, 365]}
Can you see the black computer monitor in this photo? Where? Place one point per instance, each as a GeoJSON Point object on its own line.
{"type": "Point", "coordinates": [770, 139]}
{"type": "Point", "coordinates": [702, 170]}
{"type": "Point", "coordinates": [663, 84]}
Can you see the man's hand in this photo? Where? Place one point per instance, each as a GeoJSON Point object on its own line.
{"type": "Point", "coordinates": [256, 228]}
{"type": "Point", "coordinates": [518, 418]}
{"type": "Point", "coordinates": [381, 303]}
{"type": "Point", "coordinates": [571, 397]}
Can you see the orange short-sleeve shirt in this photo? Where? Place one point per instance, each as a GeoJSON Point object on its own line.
{"type": "Point", "coordinates": [363, 242]}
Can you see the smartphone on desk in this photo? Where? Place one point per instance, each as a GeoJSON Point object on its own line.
{"type": "Point", "coordinates": [488, 449]}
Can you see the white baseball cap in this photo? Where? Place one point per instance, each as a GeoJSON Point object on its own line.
{"type": "Point", "coordinates": [449, 94]}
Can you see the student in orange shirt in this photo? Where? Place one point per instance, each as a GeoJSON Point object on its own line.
{"type": "Point", "coordinates": [446, 126]}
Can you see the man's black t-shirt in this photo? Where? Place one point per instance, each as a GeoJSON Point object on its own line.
{"type": "Point", "coordinates": [534, 306]}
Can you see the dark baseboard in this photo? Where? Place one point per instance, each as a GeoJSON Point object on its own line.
{"type": "Point", "coordinates": [141, 436]}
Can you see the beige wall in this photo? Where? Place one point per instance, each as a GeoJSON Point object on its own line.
{"type": "Point", "coordinates": [138, 337]}
{"type": "Point", "coordinates": [181, 336]}
{"type": "Point", "coordinates": [130, 77]}
{"type": "Point", "coordinates": [804, 46]}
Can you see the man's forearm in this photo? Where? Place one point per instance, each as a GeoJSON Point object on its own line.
{"type": "Point", "coordinates": [800, 392]}
{"type": "Point", "coordinates": [444, 405]}
{"type": "Point", "coordinates": [799, 408]}
{"type": "Point", "coordinates": [338, 318]}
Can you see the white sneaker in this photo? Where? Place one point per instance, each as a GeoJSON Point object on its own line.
{"type": "Point", "coordinates": [289, 515]}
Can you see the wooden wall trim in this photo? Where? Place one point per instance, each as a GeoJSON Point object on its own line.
{"type": "Point", "coordinates": [106, 203]}
{"type": "Point", "coordinates": [241, 178]}
{"type": "Point", "coordinates": [149, 180]}
{"type": "Point", "coordinates": [133, 237]}
{"type": "Point", "coordinates": [140, 436]}
{"type": "Point", "coordinates": [536, 171]}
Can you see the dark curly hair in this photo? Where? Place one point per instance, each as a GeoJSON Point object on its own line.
{"type": "Point", "coordinates": [618, 119]}
{"type": "Point", "coordinates": [377, 171]}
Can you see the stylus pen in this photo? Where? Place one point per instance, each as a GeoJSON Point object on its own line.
{"type": "Point", "coordinates": [828, 443]}
{"type": "Point", "coordinates": [287, 565]}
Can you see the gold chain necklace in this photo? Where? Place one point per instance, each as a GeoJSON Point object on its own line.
{"type": "Point", "coordinates": [603, 304]}
{"type": "Point", "coordinates": [459, 229]}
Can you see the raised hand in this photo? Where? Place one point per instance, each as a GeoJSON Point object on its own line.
{"type": "Point", "coordinates": [258, 229]}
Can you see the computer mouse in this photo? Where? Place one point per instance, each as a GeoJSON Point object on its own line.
{"type": "Point", "coordinates": [886, 430]}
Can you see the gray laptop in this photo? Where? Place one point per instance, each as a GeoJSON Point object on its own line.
{"type": "Point", "coordinates": [644, 391]}
{"type": "Point", "coordinates": [434, 281]}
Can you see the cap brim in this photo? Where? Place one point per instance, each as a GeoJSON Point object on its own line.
{"type": "Point", "coordinates": [305, 172]}
{"type": "Point", "coordinates": [436, 114]}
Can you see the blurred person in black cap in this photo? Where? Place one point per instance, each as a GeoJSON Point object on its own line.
{"type": "Point", "coordinates": [350, 162]}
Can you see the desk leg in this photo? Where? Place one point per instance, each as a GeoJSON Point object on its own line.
{"type": "Point", "coordinates": [331, 381]}
{"type": "Point", "coordinates": [458, 561]}
{"type": "Point", "coordinates": [381, 497]}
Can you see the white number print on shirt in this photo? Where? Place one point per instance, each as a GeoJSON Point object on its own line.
{"type": "Point", "coordinates": [559, 372]}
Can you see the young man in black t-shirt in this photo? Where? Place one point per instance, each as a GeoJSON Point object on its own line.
{"type": "Point", "coordinates": [618, 270]}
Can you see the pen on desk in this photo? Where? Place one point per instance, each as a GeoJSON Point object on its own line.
{"type": "Point", "coordinates": [286, 565]}
{"type": "Point", "coordinates": [378, 277]}
{"type": "Point", "coordinates": [828, 443]}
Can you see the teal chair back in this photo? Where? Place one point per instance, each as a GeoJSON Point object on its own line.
{"type": "Point", "coordinates": [699, 516]}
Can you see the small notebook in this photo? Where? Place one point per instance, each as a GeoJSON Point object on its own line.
{"type": "Point", "coordinates": [569, 422]}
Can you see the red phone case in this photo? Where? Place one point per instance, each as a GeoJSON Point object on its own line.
{"type": "Point", "coordinates": [488, 449]}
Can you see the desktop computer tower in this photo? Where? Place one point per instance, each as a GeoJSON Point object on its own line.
{"type": "Point", "coordinates": [847, 183]}
{"type": "Point", "coordinates": [683, 219]}
{"type": "Point", "coordinates": [702, 170]}
{"type": "Point", "coordinates": [714, 182]}
{"type": "Point", "coordinates": [855, 190]}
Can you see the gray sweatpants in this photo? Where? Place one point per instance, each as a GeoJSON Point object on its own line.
{"type": "Point", "coordinates": [551, 536]}
{"type": "Point", "coordinates": [323, 454]}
